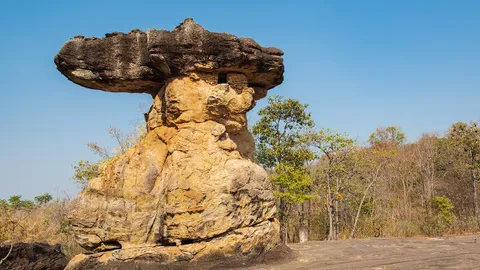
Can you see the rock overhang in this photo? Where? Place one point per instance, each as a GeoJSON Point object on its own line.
{"type": "Point", "coordinates": [142, 62]}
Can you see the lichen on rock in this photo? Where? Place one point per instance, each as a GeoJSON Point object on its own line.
{"type": "Point", "coordinates": [189, 189]}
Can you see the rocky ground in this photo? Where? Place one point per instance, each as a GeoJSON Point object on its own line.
{"type": "Point", "coordinates": [455, 252]}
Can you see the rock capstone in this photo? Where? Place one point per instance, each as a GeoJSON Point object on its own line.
{"type": "Point", "coordinates": [189, 191]}
{"type": "Point", "coordinates": [142, 62]}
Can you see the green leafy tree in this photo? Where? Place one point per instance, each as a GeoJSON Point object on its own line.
{"type": "Point", "coordinates": [281, 147]}
{"type": "Point", "coordinates": [466, 137]}
{"type": "Point", "coordinates": [442, 207]}
{"type": "Point", "coordinates": [442, 217]}
{"type": "Point", "coordinates": [16, 202]}
{"type": "Point", "coordinates": [84, 171]}
{"type": "Point", "coordinates": [390, 136]}
{"type": "Point", "coordinates": [295, 179]}
{"type": "Point", "coordinates": [280, 132]}
{"type": "Point", "coordinates": [335, 150]}
{"type": "Point", "coordinates": [43, 199]}
{"type": "Point", "coordinates": [3, 204]}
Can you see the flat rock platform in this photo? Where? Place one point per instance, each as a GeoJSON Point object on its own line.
{"type": "Point", "coordinates": [450, 252]}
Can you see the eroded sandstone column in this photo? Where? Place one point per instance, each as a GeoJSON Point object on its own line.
{"type": "Point", "coordinates": [189, 191]}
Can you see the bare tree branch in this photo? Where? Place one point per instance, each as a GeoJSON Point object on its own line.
{"type": "Point", "coordinates": [8, 254]}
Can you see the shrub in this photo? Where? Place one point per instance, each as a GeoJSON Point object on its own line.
{"type": "Point", "coordinates": [441, 218]}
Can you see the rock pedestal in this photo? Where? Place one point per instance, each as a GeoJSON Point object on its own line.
{"type": "Point", "coordinates": [188, 193]}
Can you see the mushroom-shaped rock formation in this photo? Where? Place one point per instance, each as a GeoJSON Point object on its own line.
{"type": "Point", "coordinates": [188, 193]}
{"type": "Point", "coordinates": [140, 62]}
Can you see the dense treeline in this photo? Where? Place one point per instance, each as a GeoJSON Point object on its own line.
{"type": "Point", "coordinates": [331, 187]}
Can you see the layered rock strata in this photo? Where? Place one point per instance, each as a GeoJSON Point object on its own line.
{"type": "Point", "coordinates": [189, 191]}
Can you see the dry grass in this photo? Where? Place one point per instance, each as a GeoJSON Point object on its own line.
{"type": "Point", "coordinates": [46, 223]}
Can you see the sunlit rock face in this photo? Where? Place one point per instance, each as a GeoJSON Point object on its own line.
{"type": "Point", "coordinates": [189, 191]}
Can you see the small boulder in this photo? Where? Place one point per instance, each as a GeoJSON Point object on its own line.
{"type": "Point", "coordinates": [32, 256]}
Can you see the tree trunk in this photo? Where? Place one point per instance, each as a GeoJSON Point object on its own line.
{"type": "Point", "coordinates": [309, 217]}
{"type": "Point", "coordinates": [475, 203]}
{"type": "Point", "coordinates": [474, 182]}
{"type": "Point", "coordinates": [303, 228]}
{"type": "Point", "coordinates": [330, 217]}
{"type": "Point", "coordinates": [352, 234]}
{"type": "Point", "coordinates": [337, 223]}
{"type": "Point", "coordinates": [405, 199]}
{"type": "Point", "coordinates": [302, 234]}
{"type": "Point", "coordinates": [283, 222]}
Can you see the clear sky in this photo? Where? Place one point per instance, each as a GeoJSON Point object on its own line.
{"type": "Point", "coordinates": [359, 64]}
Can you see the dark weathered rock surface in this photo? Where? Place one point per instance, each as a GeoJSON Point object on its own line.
{"type": "Point", "coordinates": [141, 62]}
{"type": "Point", "coordinates": [32, 256]}
{"type": "Point", "coordinates": [151, 260]}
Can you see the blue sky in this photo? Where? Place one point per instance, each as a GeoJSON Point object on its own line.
{"type": "Point", "coordinates": [359, 64]}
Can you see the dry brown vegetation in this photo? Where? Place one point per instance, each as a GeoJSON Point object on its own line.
{"type": "Point", "coordinates": [393, 189]}
{"type": "Point", "coordinates": [331, 187]}
{"type": "Point", "coordinates": [29, 222]}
